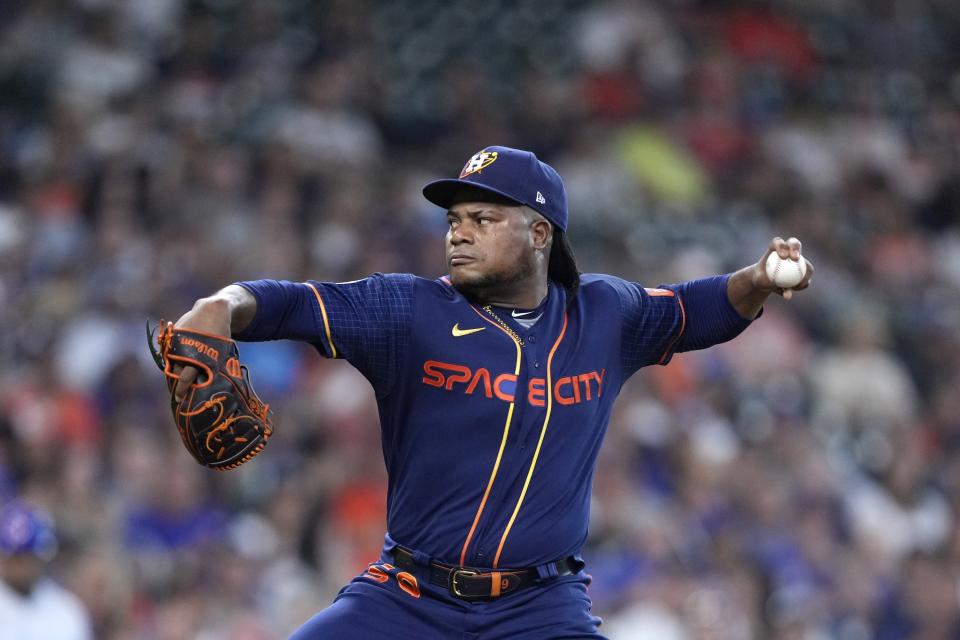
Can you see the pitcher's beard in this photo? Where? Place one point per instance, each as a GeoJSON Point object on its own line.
{"type": "Point", "coordinates": [493, 285]}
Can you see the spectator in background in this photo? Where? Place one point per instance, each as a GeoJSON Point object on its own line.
{"type": "Point", "coordinates": [32, 605]}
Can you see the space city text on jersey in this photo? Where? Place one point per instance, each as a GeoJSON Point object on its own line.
{"type": "Point", "coordinates": [567, 390]}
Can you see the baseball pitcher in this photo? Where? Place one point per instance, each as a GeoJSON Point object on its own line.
{"type": "Point", "coordinates": [495, 384]}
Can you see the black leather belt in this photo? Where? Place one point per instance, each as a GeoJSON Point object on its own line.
{"type": "Point", "coordinates": [473, 584]}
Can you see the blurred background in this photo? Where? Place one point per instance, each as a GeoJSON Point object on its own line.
{"type": "Point", "coordinates": [798, 483]}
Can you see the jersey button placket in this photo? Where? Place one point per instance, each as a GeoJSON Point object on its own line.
{"type": "Point", "coordinates": [516, 459]}
{"type": "Point", "coordinates": [532, 339]}
{"type": "Point", "coordinates": [487, 536]}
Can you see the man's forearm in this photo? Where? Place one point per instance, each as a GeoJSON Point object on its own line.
{"type": "Point", "coordinates": [744, 293]}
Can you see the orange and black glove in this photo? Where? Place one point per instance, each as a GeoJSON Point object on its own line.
{"type": "Point", "coordinates": [222, 421]}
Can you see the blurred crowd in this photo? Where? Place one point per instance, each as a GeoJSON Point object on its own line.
{"type": "Point", "coordinates": [798, 483]}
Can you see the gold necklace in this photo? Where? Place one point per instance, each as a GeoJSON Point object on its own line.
{"type": "Point", "coordinates": [504, 325]}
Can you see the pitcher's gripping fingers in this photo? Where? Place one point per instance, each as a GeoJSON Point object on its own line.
{"type": "Point", "coordinates": [791, 249]}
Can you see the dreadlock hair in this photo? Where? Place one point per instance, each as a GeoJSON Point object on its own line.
{"type": "Point", "coordinates": [562, 268]}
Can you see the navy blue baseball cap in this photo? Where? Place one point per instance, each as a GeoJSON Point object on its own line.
{"type": "Point", "coordinates": [512, 173]}
{"type": "Point", "coordinates": [26, 530]}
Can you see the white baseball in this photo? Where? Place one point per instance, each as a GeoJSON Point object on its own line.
{"type": "Point", "coordinates": [784, 272]}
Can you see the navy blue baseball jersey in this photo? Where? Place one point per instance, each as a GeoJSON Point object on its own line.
{"type": "Point", "coordinates": [491, 427]}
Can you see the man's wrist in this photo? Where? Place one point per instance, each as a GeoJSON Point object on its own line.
{"type": "Point", "coordinates": [226, 312]}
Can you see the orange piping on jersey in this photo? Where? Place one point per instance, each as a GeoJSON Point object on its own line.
{"type": "Point", "coordinates": [683, 327]}
{"type": "Point", "coordinates": [503, 444]}
{"type": "Point", "coordinates": [536, 453]}
{"type": "Point", "coordinates": [326, 323]}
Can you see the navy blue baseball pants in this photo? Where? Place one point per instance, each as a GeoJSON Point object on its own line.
{"type": "Point", "coordinates": [386, 602]}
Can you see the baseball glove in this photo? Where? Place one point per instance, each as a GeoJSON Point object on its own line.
{"type": "Point", "coordinates": [222, 421]}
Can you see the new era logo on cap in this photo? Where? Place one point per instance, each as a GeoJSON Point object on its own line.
{"type": "Point", "coordinates": [511, 173]}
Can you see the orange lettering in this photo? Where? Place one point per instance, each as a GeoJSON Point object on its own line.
{"type": "Point", "coordinates": [485, 375]}
{"type": "Point", "coordinates": [409, 584]}
{"type": "Point", "coordinates": [376, 573]}
{"type": "Point", "coordinates": [504, 387]}
{"type": "Point", "coordinates": [233, 367]}
{"type": "Point", "coordinates": [205, 349]}
{"type": "Point", "coordinates": [433, 378]}
{"type": "Point", "coordinates": [505, 377]}
{"type": "Point", "coordinates": [536, 395]}
{"type": "Point", "coordinates": [460, 374]}
{"type": "Point", "coordinates": [556, 391]}
{"type": "Point", "coordinates": [585, 378]}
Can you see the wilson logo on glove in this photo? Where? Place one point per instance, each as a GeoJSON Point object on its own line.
{"type": "Point", "coordinates": [221, 420]}
{"type": "Point", "coordinates": [205, 349]}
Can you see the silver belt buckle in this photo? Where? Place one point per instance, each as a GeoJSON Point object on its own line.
{"type": "Point", "coordinates": [456, 573]}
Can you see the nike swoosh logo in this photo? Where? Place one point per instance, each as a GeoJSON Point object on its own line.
{"type": "Point", "coordinates": [523, 316]}
{"type": "Point", "coordinates": [458, 332]}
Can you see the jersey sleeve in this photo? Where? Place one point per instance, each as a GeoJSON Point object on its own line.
{"type": "Point", "coordinates": [711, 318]}
{"type": "Point", "coordinates": [366, 322]}
{"type": "Point", "coordinates": [659, 322]}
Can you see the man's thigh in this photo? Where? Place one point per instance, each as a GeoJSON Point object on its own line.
{"type": "Point", "coordinates": [371, 609]}
{"type": "Point", "coordinates": [553, 611]}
